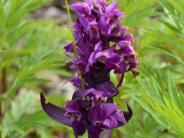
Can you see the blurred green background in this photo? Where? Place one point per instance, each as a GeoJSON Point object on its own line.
{"type": "Point", "coordinates": [32, 60]}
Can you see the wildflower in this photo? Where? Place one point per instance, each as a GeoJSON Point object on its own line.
{"type": "Point", "coordinates": [81, 115]}
{"type": "Point", "coordinates": [102, 46]}
{"type": "Point", "coordinates": [100, 38]}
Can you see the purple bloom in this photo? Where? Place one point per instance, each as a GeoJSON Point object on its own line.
{"type": "Point", "coordinates": [107, 87]}
{"type": "Point", "coordinates": [109, 57]}
{"type": "Point", "coordinates": [106, 116]}
{"type": "Point", "coordinates": [82, 116]}
{"type": "Point", "coordinates": [55, 112]}
{"type": "Point", "coordinates": [72, 115]}
{"type": "Point", "coordinates": [81, 8]}
{"type": "Point", "coordinates": [101, 45]}
{"type": "Point", "coordinates": [97, 94]}
{"type": "Point", "coordinates": [69, 47]}
{"type": "Point", "coordinates": [97, 26]}
{"type": "Point", "coordinates": [109, 21]}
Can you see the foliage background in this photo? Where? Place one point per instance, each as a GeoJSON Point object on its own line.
{"type": "Point", "coordinates": [31, 55]}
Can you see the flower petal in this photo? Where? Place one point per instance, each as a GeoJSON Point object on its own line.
{"type": "Point", "coordinates": [111, 7]}
{"type": "Point", "coordinates": [94, 132]}
{"type": "Point", "coordinates": [79, 128]}
{"type": "Point", "coordinates": [108, 88]}
{"type": "Point", "coordinates": [95, 93]}
{"type": "Point", "coordinates": [110, 122]}
{"type": "Point", "coordinates": [69, 47]}
{"type": "Point", "coordinates": [81, 8]}
{"type": "Point", "coordinates": [128, 114]}
{"type": "Point", "coordinates": [55, 112]}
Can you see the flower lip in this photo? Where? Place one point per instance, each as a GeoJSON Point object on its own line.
{"type": "Point", "coordinates": [108, 115]}
{"type": "Point", "coordinates": [96, 94]}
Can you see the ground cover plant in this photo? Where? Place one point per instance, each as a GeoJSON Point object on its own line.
{"type": "Point", "coordinates": [32, 54]}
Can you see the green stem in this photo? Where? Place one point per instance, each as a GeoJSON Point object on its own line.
{"type": "Point", "coordinates": [68, 11]}
{"type": "Point", "coordinates": [71, 24]}
{"type": "Point", "coordinates": [82, 81]}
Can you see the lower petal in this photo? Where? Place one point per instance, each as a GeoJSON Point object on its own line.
{"type": "Point", "coordinates": [55, 112]}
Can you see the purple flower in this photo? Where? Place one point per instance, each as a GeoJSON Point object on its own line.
{"type": "Point", "coordinates": [109, 57]}
{"type": "Point", "coordinates": [106, 116]}
{"type": "Point", "coordinates": [97, 26]}
{"type": "Point", "coordinates": [55, 112]}
{"type": "Point", "coordinates": [101, 45]}
{"type": "Point", "coordinates": [110, 20]}
{"type": "Point", "coordinates": [97, 94]}
{"type": "Point", "coordinates": [82, 116]}
{"type": "Point", "coordinates": [73, 115]}
{"type": "Point", "coordinates": [69, 47]}
{"type": "Point", "coordinates": [81, 8]}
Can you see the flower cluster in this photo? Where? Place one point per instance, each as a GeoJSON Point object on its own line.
{"type": "Point", "coordinates": [101, 46]}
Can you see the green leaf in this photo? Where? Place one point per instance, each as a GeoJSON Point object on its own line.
{"type": "Point", "coordinates": [163, 101]}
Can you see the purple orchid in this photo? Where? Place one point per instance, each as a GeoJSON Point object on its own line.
{"type": "Point", "coordinates": [82, 115]}
{"type": "Point", "coordinates": [100, 37]}
{"type": "Point", "coordinates": [101, 45]}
